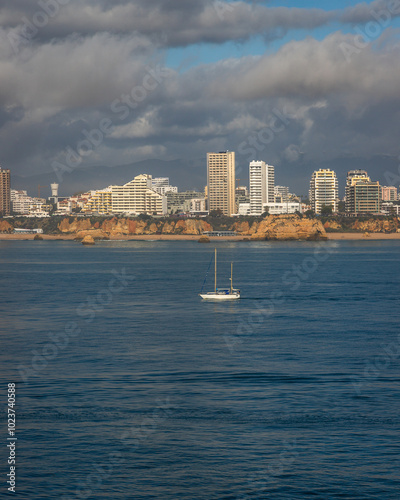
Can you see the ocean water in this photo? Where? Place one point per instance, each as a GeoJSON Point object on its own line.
{"type": "Point", "coordinates": [129, 386]}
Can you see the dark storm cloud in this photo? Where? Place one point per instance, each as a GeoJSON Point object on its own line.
{"type": "Point", "coordinates": [166, 23]}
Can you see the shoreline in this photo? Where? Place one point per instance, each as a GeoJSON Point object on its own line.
{"type": "Point", "coordinates": [195, 237]}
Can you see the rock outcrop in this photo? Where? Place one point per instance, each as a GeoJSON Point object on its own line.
{"type": "Point", "coordinates": [112, 228]}
{"type": "Point", "coordinates": [283, 227]}
{"type": "Point", "coordinates": [88, 240]}
{"type": "Point", "coordinates": [6, 227]}
{"type": "Point", "coordinates": [362, 226]}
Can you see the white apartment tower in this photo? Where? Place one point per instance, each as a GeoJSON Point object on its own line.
{"type": "Point", "coordinates": [324, 190]}
{"type": "Point", "coordinates": [221, 182]}
{"type": "Point", "coordinates": [262, 182]}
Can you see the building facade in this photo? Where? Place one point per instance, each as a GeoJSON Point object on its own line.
{"type": "Point", "coordinates": [281, 192]}
{"type": "Point", "coordinates": [99, 202]}
{"type": "Point", "coordinates": [389, 193]}
{"type": "Point", "coordinates": [221, 182]}
{"type": "Point", "coordinates": [179, 202]}
{"type": "Point", "coordinates": [138, 197]}
{"type": "Point", "coordinates": [20, 201]}
{"type": "Point", "coordinates": [162, 186]}
{"type": "Point", "coordinates": [363, 196]}
{"type": "Point", "coordinates": [261, 183]}
{"type": "Point", "coordinates": [5, 191]}
{"type": "Point", "coordinates": [134, 197]}
{"type": "Point", "coordinates": [324, 190]}
{"type": "Point", "coordinates": [283, 208]}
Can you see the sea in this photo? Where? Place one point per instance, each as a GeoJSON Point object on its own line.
{"type": "Point", "coordinates": [129, 386]}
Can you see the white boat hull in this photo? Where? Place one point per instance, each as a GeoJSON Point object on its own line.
{"type": "Point", "coordinates": [220, 296]}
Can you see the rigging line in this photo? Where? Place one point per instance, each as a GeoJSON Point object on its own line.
{"type": "Point", "coordinates": [205, 279]}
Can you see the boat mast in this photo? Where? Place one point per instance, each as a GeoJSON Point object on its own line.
{"type": "Point", "coordinates": [231, 277]}
{"type": "Point", "coordinates": [215, 272]}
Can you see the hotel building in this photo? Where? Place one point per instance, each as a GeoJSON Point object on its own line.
{"type": "Point", "coordinates": [221, 182]}
{"type": "Point", "coordinates": [324, 190]}
{"type": "Point", "coordinates": [363, 196]}
{"type": "Point", "coordinates": [134, 197]}
{"type": "Point", "coordinates": [262, 181]}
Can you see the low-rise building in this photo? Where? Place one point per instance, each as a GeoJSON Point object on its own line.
{"type": "Point", "coordinates": [244, 208]}
{"type": "Point", "coordinates": [162, 186]}
{"type": "Point", "coordinates": [20, 201]}
{"type": "Point", "coordinates": [283, 208]}
{"type": "Point", "coordinates": [177, 202]}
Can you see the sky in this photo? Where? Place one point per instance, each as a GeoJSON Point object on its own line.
{"type": "Point", "coordinates": [298, 84]}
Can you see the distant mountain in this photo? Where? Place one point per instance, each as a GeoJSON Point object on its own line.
{"type": "Point", "coordinates": [182, 173]}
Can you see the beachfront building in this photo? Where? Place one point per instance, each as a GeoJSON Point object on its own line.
{"type": "Point", "coordinates": [244, 208]}
{"type": "Point", "coordinates": [221, 182]}
{"type": "Point", "coordinates": [134, 197]}
{"type": "Point", "coordinates": [389, 193]}
{"type": "Point", "coordinates": [138, 197]}
{"type": "Point", "coordinates": [324, 190]}
{"type": "Point", "coordinates": [289, 207]}
{"type": "Point", "coordinates": [363, 196]}
{"type": "Point", "coordinates": [20, 201]}
{"type": "Point", "coordinates": [261, 183]}
{"type": "Point", "coordinates": [99, 202]}
{"type": "Point", "coordinates": [5, 191]}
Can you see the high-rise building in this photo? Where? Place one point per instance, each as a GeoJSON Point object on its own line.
{"type": "Point", "coordinates": [261, 182]}
{"type": "Point", "coordinates": [5, 191]}
{"type": "Point", "coordinates": [363, 196]}
{"type": "Point", "coordinates": [389, 193]}
{"type": "Point", "coordinates": [221, 182]}
{"type": "Point", "coordinates": [324, 190]}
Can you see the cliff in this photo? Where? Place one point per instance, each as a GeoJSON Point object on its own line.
{"type": "Point", "coordinates": [273, 227]}
{"type": "Point", "coordinates": [278, 227]}
{"type": "Point", "coordinates": [363, 225]}
{"type": "Point", "coordinates": [112, 228]}
{"type": "Point", "coordinates": [282, 227]}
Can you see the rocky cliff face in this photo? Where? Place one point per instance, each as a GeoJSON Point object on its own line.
{"type": "Point", "coordinates": [283, 227]}
{"type": "Point", "coordinates": [368, 226]}
{"type": "Point", "coordinates": [114, 227]}
{"type": "Point", "coordinates": [278, 227]}
{"type": "Point", "coordinates": [273, 227]}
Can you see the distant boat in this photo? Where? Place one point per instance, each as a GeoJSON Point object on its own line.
{"type": "Point", "coordinates": [221, 293]}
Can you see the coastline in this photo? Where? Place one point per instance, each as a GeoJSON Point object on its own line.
{"type": "Point", "coordinates": [195, 237]}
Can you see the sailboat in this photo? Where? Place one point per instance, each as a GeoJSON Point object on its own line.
{"type": "Point", "coordinates": [221, 293]}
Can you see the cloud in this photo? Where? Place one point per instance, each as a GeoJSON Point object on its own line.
{"type": "Point", "coordinates": [96, 53]}
{"type": "Point", "coordinates": [311, 69]}
{"type": "Point", "coordinates": [168, 23]}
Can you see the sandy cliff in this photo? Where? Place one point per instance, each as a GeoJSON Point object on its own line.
{"type": "Point", "coordinates": [272, 227]}
{"type": "Point", "coordinates": [283, 227]}
{"type": "Point", "coordinates": [112, 228]}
